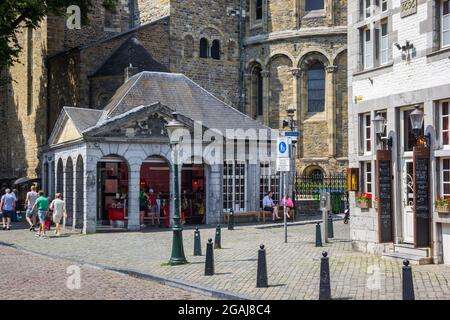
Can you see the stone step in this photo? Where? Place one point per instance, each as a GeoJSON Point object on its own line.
{"type": "Point", "coordinates": [413, 259]}
{"type": "Point", "coordinates": [409, 249]}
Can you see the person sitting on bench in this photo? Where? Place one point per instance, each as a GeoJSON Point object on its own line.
{"type": "Point", "coordinates": [269, 205]}
{"type": "Point", "coordinates": [289, 205]}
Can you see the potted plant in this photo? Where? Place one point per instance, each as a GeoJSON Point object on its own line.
{"type": "Point", "coordinates": [442, 204]}
{"type": "Point", "coordinates": [364, 201]}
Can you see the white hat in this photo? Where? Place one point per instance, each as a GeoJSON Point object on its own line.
{"type": "Point", "coordinates": [151, 190]}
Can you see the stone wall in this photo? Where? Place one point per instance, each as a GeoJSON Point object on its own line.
{"type": "Point", "coordinates": [188, 24]}
{"type": "Point", "coordinates": [149, 10]}
{"type": "Point", "coordinates": [23, 98]}
{"type": "Point", "coordinates": [283, 45]}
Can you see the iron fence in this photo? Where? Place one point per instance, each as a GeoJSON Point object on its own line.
{"type": "Point", "coordinates": [309, 187]}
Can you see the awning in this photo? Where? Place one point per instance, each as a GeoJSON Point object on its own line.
{"type": "Point", "coordinates": [23, 180]}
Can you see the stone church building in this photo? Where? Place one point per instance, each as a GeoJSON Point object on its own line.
{"type": "Point", "coordinates": [282, 54]}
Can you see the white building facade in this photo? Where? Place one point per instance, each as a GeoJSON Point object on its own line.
{"type": "Point", "coordinates": [399, 60]}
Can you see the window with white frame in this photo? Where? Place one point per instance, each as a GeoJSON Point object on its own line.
{"type": "Point", "coordinates": [384, 43]}
{"type": "Point", "coordinates": [269, 180]}
{"type": "Point", "coordinates": [368, 48]}
{"type": "Point", "coordinates": [234, 185]}
{"type": "Point", "coordinates": [367, 133]}
{"type": "Point", "coordinates": [444, 123]}
{"type": "Point", "coordinates": [367, 176]}
{"type": "Point", "coordinates": [445, 23]}
{"type": "Point", "coordinates": [367, 8]}
{"type": "Point", "coordinates": [384, 4]}
{"type": "Point", "coordinates": [445, 177]}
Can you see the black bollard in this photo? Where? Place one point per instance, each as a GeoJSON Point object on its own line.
{"type": "Point", "coordinates": [197, 243]}
{"type": "Point", "coordinates": [325, 288]}
{"type": "Point", "coordinates": [231, 220]}
{"type": "Point", "coordinates": [408, 285]}
{"type": "Point", "coordinates": [330, 227]}
{"type": "Point", "coordinates": [318, 235]}
{"type": "Point", "coordinates": [261, 274]}
{"type": "Point", "coordinates": [209, 262]}
{"type": "Point", "coordinates": [217, 242]}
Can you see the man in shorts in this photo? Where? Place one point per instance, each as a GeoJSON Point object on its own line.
{"type": "Point", "coordinates": [59, 211]}
{"type": "Point", "coordinates": [32, 195]}
{"type": "Point", "coordinates": [41, 205]}
{"type": "Point", "coordinates": [7, 206]}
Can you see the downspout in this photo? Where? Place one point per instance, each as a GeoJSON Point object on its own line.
{"type": "Point", "coordinates": [241, 55]}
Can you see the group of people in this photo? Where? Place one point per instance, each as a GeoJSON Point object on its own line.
{"type": "Point", "coordinates": [38, 207]}
{"type": "Point", "coordinates": [270, 205]}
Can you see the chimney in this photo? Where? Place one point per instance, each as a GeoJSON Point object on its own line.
{"type": "Point", "coordinates": [129, 72]}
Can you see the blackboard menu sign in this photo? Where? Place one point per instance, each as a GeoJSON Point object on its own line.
{"type": "Point", "coordinates": [384, 192]}
{"type": "Point", "coordinates": [422, 208]}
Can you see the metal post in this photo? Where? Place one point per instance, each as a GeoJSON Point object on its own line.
{"type": "Point", "coordinates": [231, 220]}
{"type": "Point", "coordinates": [209, 261]}
{"type": "Point", "coordinates": [178, 256]}
{"type": "Point", "coordinates": [407, 279]}
{"type": "Point", "coordinates": [318, 235]}
{"type": "Point", "coordinates": [323, 204]}
{"type": "Point", "coordinates": [197, 243]}
{"type": "Point", "coordinates": [284, 208]}
{"type": "Point", "coordinates": [325, 287]}
{"type": "Point", "coordinates": [261, 276]}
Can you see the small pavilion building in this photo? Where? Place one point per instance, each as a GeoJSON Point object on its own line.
{"type": "Point", "coordinates": [102, 161]}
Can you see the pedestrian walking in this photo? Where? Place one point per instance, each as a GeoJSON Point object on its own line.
{"type": "Point", "coordinates": [41, 205]}
{"type": "Point", "coordinates": [7, 206]}
{"type": "Point", "coordinates": [31, 214]}
{"type": "Point", "coordinates": [58, 206]}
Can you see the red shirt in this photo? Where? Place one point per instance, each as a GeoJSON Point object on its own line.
{"type": "Point", "coordinates": [152, 198]}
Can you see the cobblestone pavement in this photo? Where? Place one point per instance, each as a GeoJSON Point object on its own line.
{"type": "Point", "coordinates": [293, 268]}
{"type": "Point", "coordinates": [29, 276]}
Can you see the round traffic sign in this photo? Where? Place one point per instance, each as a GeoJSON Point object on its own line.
{"type": "Point", "coordinates": [282, 147]}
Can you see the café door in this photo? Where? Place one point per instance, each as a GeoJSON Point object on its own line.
{"type": "Point", "coordinates": [408, 200]}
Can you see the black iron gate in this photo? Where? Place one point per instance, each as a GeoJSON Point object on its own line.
{"type": "Point", "coordinates": [309, 187]}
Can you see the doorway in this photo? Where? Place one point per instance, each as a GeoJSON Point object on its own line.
{"type": "Point", "coordinates": [408, 200]}
{"type": "Point", "coordinates": [193, 186]}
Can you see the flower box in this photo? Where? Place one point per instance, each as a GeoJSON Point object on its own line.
{"type": "Point", "coordinates": [443, 208]}
{"type": "Point", "coordinates": [364, 204]}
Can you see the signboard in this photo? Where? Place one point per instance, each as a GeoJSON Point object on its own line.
{"type": "Point", "coordinates": [408, 7]}
{"type": "Point", "coordinates": [283, 148]}
{"type": "Point", "coordinates": [422, 206]}
{"type": "Point", "coordinates": [384, 192]}
{"type": "Point", "coordinates": [293, 135]}
{"type": "Point", "coordinates": [283, 164]}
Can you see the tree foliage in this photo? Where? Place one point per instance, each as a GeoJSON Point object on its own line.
{"type": "Point", "coordinates": [15, 14]}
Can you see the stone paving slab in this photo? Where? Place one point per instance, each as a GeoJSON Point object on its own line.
{"type": "Point", "coordinates": [293, 268]}
{"type": "Point", "coordinates": [33, 277]}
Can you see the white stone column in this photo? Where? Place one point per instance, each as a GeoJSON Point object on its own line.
{"type": "Point", "coordinates": [330, 103]}
{"type": "Point", "coordinates": [133, 197]}
{"type": "Point", "coordinates": [90, 205]}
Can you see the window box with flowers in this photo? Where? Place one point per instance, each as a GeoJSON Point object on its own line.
{"type": "Point", "coordinates": [364, 201]}
{"type": "Point", "coordinates": [442, 204]}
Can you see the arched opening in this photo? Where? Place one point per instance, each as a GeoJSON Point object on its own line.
{"type": "Point", "coordinates": [68, 196]}
{"type": "Point", "coordinates": [79, 190]}
{"type": "Point", "coordinates": [154, 197]}
{"type": "Point", "coordinates": [257, 92]}
{"type": "Point", "coordinates": [193, 193]}
{"type": "Point", "coordinates": [215, 50]}
{"type": "Point", "coordinates": [188, 47]}
{"type": "Point", "coordinates": [59, 177]}
{"type": "Point", "coordinates": [46, 180]}
{"type": "Point", "coordinates": [316, 87]}
{"type": "Point", "coordinates": [112, 173]}
{"type": "Point", "coordinates": [51, 191]}
{"type": "Point", "coordinates": [316, 173]}
{"type": "Point", "coordinates": [204, 48]}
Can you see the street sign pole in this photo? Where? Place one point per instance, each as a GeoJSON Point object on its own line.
{"type": "Point", "coordinates": [284, 165]}
{"type": "Point", "coordinates": [285, 207]}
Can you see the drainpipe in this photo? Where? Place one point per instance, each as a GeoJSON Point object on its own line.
{"type": "Point", "coordinates": [241, 54]}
